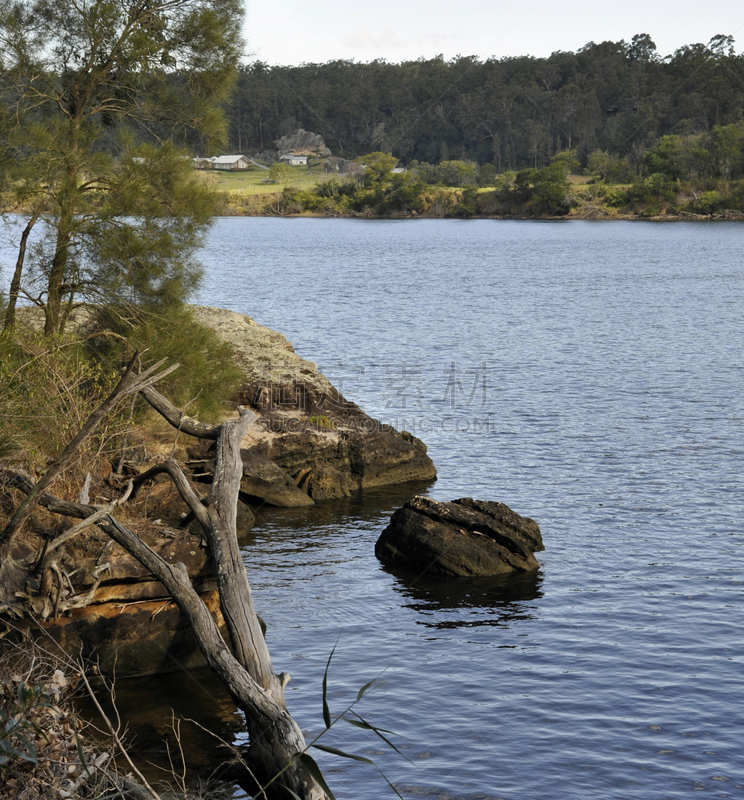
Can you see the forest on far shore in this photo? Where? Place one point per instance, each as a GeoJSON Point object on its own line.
{"type": "Point", "coordinates": [614, 97]}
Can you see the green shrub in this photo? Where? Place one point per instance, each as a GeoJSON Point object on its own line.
{"type": "Point", "coordinates": [487, 175]}
{"type": "Point", "coordinates": [309, 200]}
{"type": "Point", "coordinates": [279, 172]}
{"type": "Point", "coordinates": [652, 191]}
{"type": "Point", "coordinates": [456, 173]}
{"type": "Point", "coordinates": [608, 167]}
{"type": "Point", "coordinates": [467, 204]}
{"type": "Point", "coordinates": [652, 209]}
{"type": "Point", "coordinates": [405, 193]}
{"type": "Point", "coordinates": [48, 388]}
{"type": "Point", "coordinates": [324, 422]}
{"type": "Point", "coordinates": [614, 197]}
{"type": "Point", "coordinates": [733, 197]}
{"type": "Point", "coordinates": [207, 377]}
{"type": "Point", "coordinates": [20, 725]}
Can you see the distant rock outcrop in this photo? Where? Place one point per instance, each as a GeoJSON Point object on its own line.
{"type": "Point", "coordinates": [463, 538]}
{"type": "Point", "coordinates": [342, 166]}
{"type": "Point", "coordinates": [302, 142]}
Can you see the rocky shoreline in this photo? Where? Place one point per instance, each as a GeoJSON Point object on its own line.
{"type": "Point", "coordinates": [323, 442]}
{"type": "Point", "coordinates": [307, 444]}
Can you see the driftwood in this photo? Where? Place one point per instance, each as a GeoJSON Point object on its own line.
{"type": "Point", "coordinates": [276, 740]}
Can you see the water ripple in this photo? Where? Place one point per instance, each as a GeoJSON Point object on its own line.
{"type": "Point", "coordinates": [588, 375]}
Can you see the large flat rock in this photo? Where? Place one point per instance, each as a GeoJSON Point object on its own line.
{"type": "Point", "coordinates": [133, 638]}
{"type": "Point", "coordinates": [325, 443]}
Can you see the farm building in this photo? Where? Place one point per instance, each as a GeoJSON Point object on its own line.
{"type": "Point", "coordinates": [228, 163]}
{"type": "Point", "coordinates": [294, 160]}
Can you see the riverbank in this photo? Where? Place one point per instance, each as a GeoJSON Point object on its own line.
{"type": "Point", "coordinates": [542, 194]}
{"type": "Point", "coordinates": [308, 443]}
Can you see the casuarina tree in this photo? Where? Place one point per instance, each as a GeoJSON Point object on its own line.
{"type": "Point", "coordinates": [100, 102]}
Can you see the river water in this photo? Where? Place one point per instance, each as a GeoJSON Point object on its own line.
{"type": "Point", "coordinates": [590, 376]}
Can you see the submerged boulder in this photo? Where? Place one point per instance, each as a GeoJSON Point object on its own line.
{"type": "Point", "coordinates": [463, 538]}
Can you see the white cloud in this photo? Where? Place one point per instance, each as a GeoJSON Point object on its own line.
{"type": "Point", "coordinates": [365, 39]}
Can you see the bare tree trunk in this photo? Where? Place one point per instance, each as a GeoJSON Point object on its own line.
{"type": "Point", "coordinates": [275, 738]}
{"type": "Point", "coordinates": [15, 283]}
{"type": "Point", "coordinates": [276, 741]}
{"type": "Point", "coordinates": [218, 521]}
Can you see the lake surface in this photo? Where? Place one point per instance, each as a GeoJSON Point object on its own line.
{"type": "Point", "coordinates": [590, 376]}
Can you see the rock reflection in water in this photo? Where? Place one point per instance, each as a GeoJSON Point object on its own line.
{"type": "Point", "coordinates": [359, 507]}
{"type": "Point", "coordinates": [469, 602]}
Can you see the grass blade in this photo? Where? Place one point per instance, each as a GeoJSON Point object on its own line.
{"type": "Point", "coordinates": [81, 756]}
{"type": "Point", "coordinates": [314, 770]}
{"type": "Point", "coordinates": [365, 688]}
{"type": "Point", "coordinates": [390, 784]}
{"type": "Point", "coordinates": [360, 722]}
{"type": "Point", "coordinates": [336, 752]}
{"type": "Point", "coordinates": [326, 710]}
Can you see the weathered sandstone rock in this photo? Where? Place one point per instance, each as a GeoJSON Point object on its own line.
{"type": "Point", "coordinates": [119, 615]}
{"type": "Point", "coordinates": [263, 481]}
{"type": "Point", "coordinates": [463, 538]}
{"type": "Point", "coordinates": [134, 638]}
{"type": "Point", "coordinates": [302, 142]}
{"type": "Point", "coordinates": [323, 442]}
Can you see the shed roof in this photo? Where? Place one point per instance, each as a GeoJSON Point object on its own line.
{"type": "Point", "coordinates": [225, 159]}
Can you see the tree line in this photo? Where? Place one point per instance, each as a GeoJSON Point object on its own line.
{"type": "Point", "coordinates": [615, 98]}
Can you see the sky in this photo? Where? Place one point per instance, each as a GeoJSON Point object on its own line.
{"type": "Point", "coordinates": [292, 32]}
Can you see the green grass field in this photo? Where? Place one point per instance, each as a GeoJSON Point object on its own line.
{"type": "Point", "coordinates": [250, 182]}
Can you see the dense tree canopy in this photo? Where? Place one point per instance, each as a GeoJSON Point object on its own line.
{"type": "Point", "coordinates": [618, 98]}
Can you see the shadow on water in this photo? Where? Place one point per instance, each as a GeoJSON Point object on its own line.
{"type": "Point", "coordinates": [363, 506]}
{"type": "Point", "coordinates": [468, 602]}
{"type": "Point", "coordinates": [147, 705]}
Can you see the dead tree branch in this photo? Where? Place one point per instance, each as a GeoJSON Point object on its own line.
{"type": "Point", "coordinates": [276, 739]}
{"type": "Point", "coordinates": [218, 521]}
{"type": "Point", "coordinates": [129, 384]}
{"type": "Point", "coordinates": [176, 417]}
{"type": "Point", "coordinates": [184, 487]}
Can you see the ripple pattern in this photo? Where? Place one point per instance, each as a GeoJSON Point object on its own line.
{"type": "Point", "coordinates": [590, 376]}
